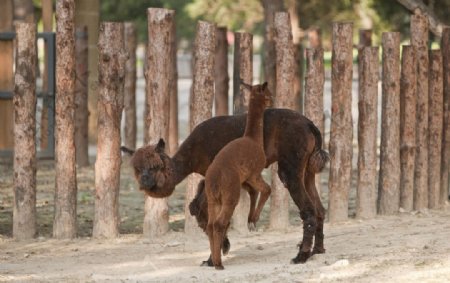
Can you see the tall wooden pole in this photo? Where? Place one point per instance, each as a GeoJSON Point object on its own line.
{"type": "Point", "coordinates": [445, 167]}
{"type": "Point", "coordinates": [314, 85]}
{"type": "Point", "coordinates": [419, 39]}
{"type": "Point", "coordinates": [173, 101]}
{"type": "Point", "coordinates": [389, 179]}
{"type": "Point", "coordinates": [65, 219]}
{"type": "Point", "coordinates": [202, 96]}
{"type": "Point", "coordinates": [111, 76]}
{"type": "Point", "coordinates": [435, 122]}
{"type": "Point", "coordinates": [24, 212]}
{"type": "Point", "coordinates": [81, 97]}
{"type": "Point", "coordinates": [158, 82]}
{"type": "Point", "coordinates": [243, 69]}
{"type": "Point", "coordinates": [341, 135]}
{"type": "Point", "coordinates": [408, 85]}
{"type": "Point", "coordinates": [284, 98]}
{"type": "Point", "coordinates": [368, 67]}
{"type": "Point", "coordinates": [130, 86]}
{"type": "Point", "coordinates": [221, 77]}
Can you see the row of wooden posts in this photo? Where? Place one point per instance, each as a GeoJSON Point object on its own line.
{"type": "Point", "coordinates": [415, 142]}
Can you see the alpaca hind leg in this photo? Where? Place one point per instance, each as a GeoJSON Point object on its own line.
{"type": "Point", "coordinates": [219, 230]}
{"type": "Point", "coordinates": [319, 212]}
{"type": "Point", "coordinates": [213, 209]}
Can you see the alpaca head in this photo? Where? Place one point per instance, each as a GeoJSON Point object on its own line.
{"type": "Point", "coordinates": [152, 168]}
{"type": "Point", "coordinates": [259, 93]}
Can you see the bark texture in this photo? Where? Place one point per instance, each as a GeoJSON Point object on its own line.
{"type": "Point", "coordinates": [419, 39]}
{"type": "Point", "coordinates": [65, 221]}
{"type": "Point", "coordinates": [314, 85]}
{"type": "Point", "coordinates": [243, 69]}
{"type": "Point", "coordinates": [408, 85]}
{"type": "Point", "coordinates": [435, 119]}
{"type": "Point", "coordinates": [201, 101]}
{"type": "Point", "coordinates": [159, 76]}
{"type": "Point", "coordinates": [341, 135]}
{"type": "Point", "coordinates": [111, 77]}
{"type": "Point", "coordinates": [389, 179]}
{"type": "Point", "coordinates": [284, 98]}
{"type": "Point", "coordinates": [173, 101]}
{"type": "Point", "coordinates": [270, 8]}
{"type": "Point", "coordinates": [445, 167]}
{"type": "Point", "coordinates": [366, 189]}
{"type": "Point", "coordinates": [24, 209]}
{"type": "Point", "coordinates": [130, 86]}
{"type": "Point", "coordinates": [221, 77]}
{"type": "Point", "coordinates": [436, 26]}
{"type": "Point", "coordinates": [81, 97]}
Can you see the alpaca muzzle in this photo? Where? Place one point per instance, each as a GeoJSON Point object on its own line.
{"type": "Point", "coordinates": [147, 181]}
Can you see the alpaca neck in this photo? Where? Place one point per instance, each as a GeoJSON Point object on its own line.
{"type": "Point", "coordinates": [254, 127]}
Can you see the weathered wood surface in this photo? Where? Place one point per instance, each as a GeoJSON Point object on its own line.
{"type": "Point", "coordinates": [341, 135]}
{"type": "Point", "coordinates": [24, 209]}
{"type": "Point", "coordinates": [130, 86]}
{"type": "Point", "coordinates": [445, 167]}
{"type": "Point", "coordinates": [221, 78]}
{"type": "Point", "coordinates": [366, 188]}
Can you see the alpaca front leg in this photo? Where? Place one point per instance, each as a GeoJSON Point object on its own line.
{"type": "Point", "coordinates": [251, 222]}
{"type": "Point", "coordinates": [264, 189]}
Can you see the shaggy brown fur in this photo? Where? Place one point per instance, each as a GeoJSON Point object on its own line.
{"type": "Point", "coordinates": [241, 160]}
{"type": "Point", "coordinates": [289, 138]}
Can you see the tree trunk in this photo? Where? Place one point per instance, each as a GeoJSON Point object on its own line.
{"type": "Point", "coordinates": [24, 212]}
{"type": "Point", "coordinates": [435, 119]}
{"type": "Point", "coordinates": [243, 69]}
{"type": "Point", "coordinates": [445, 167]}
{"type": "Point", "coordinates": [298, 53]}
{"type": "Point", "coordinates": [314, 85]}
{"type": "Point", "coordinates": [341, 135]}
{"type": "Point", "coordinates": [408, 85]}
{"type": "Point", "coordinates": [270, 8]}
{"type": "Point", "coordinates": [47, 20]}
{"type": "Point", "coordinates": [6, 76]}
{"type": "Point", "coordinates": [81, 97]}
{"type": "Point", "coordinates": [221, 72]}
{"type": "Point", "coordinates": [202, 96]}
{"type": "Point", "coordinates": [65, 221]}
{"type": "Point", "coordinates": [389, 179]}
{"type": "Point", "coordinates": [284, 98]}
{"type": "Point", "coordinates": [366, 201]}
{"type": "Point", "coordinates": [159, 76]}
{"type": "Point", "coordinates": [436, 26]}
{"type": "Point", "coordinates": [173, 103]}
{"type": "Point", "coordinates": [419, 39]}
{"type": "Point", "coordinates": [129, 100]}
{"type": "Point", "coordinates": [111, 78]}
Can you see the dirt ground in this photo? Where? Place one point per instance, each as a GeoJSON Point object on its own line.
{"type": "Point", "coordinates": [409, 247]}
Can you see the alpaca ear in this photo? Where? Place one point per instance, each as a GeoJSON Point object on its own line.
{"type": "Point", "coordinates": [126, 150]}
{"type": "Point", "coordinates": [161, 145]}
{"type": "Point", "coordinates": [249, 87]}
{"type": "Point", "coordinates": [264, 85]}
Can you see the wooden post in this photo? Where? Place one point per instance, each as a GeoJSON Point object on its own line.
{"type": "Point", "coordinates": [368, 66]}
{"type": "Point", "coordinates": [270, 8]}
{"type": "Point", "coordinates": [111, 77]}
{"type": "Point", "coordinates": [435, 119]}
{"type": "Point", "coordinates": [173, 101]}
{"type": "Point", "coordinates": [284, 98]}
{"type": "Point", "coordinates": [445, 167]}
{"type": "Point", "coordinates": [202, 96]}
{"type": "Point", "coordinates": [81, 97]}
{"type": "Point", "coordinates": [129, 101]}
{"type": "Point", "coordinates": [243, 69]}
{"type": "Point", "coordinates": [341, 135]}
{"type": "Point", "coordinates": [47, 21]}
{"type": "Point", "coordinates": [389, 179]}
{"type": "Point", "coordinates": [365, 38]}
{"type": "Point", "coordinates": [408, 85]}
{"type": "Point", "coordinates": [6, 76]}
{"type": "Point", "coordinates": [65, 221]}
{"type": "Point", "coordinates": [314, 84]}
{"type": "Point", "coordinates": [221, 77]}
{"type": "Point", "coordinates": [24, 212]}
{"type": "Point", "coordinates": [419, 39]}
{"type": "Point", "coordinates": [159, 76]}
{"type": "Point", "coordinates": [298, 77]}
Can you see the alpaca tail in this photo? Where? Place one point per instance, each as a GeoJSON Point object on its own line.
{"type": "Point", "coordinates": [196, 204]}
{"type": "Point", "coordinates": [319, 157]}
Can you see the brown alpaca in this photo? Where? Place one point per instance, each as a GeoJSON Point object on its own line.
{"type": "Point", "coordinates": [241, 160]}
{"type": "Point", "coordinates": [289, 138]}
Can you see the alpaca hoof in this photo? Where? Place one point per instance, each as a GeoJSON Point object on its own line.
{"type": "Point", "coordinates": [302, 257]}
{"type": "Point", "coordinates": [207, 262]}
{"type": "Point", "coordinates": [225, 246]}
{"type": "Point", "coordinates": [219, 267]}
{"type": "Point", "coordinates": [251, 226]}
{"type": "Point", "coordinates": [317, 250]}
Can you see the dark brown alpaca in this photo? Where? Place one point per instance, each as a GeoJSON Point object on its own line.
{"type": "Point", "coordinates": [289, 138]}
{"type": "Point", "coordinates": [241, 160]}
